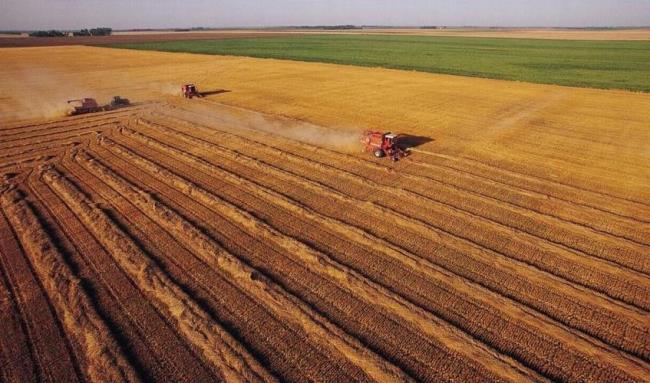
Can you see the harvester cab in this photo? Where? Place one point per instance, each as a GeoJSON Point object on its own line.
{"type": "Point", "coordinates": [84, 105]}
{"type": "Point", "coordinates": [382, 145]}
{"type": "Point", "coordinates": [189, 91]}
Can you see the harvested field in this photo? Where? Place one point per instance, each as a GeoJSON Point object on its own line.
{"type": "Point", "coordinates": [243, 237]}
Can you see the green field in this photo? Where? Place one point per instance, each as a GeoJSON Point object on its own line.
{"type": "Point", "coordinates": [596, 64]}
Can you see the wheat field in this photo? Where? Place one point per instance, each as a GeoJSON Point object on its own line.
{"type": "Point", "coordinates": [244, 236]}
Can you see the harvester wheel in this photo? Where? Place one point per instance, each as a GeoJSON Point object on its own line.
{"type": "Point", "coordinates": [379, 153]}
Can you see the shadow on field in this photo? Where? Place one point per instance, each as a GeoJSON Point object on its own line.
{"type": "Point", "coordinates": [216, 91]}
{"type": "Point", "coordinates": [406, 141]}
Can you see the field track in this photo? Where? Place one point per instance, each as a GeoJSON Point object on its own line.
{"type": "Point", "coordinates": [150, 243]}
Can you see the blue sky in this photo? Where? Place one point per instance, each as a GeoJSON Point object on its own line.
{"type": "Point", "coordinates": [70, 14]}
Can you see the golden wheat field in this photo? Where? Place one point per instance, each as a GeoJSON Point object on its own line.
{"type": "Point", "coordinates": [243, 236]}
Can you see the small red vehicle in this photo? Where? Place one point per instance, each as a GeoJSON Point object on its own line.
{"type": "Point", "coordinates": [382, 145]}
{"type": "Point", "coordinates": [189, 91]}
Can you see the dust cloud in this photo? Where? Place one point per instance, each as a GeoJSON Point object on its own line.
{"type": "Point", "coordinates": [339, 139]}
{"type": "Point", "coordinates": [330, 138]}
{"type": "Point", "coordinates": [37, 93]}
{"type": "Point", "coordinates": [167, 89]}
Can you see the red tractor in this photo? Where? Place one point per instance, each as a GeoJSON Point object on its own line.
{"type": "Point", "coordinates": [382, 145]}
{"type": "Point", "coordinates": [189, 91]}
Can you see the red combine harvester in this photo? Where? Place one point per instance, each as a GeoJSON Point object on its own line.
{"type": "Point", "coordinates": [189, 91]}
{"type": "Point", "coordinates": [382, 145]}
{"type": "Point", "coordinates": [84, 105]}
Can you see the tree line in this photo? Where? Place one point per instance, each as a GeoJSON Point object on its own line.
{"type": "Point", "coordinates": [83, 32]}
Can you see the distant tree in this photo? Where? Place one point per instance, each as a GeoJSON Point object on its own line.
{"type": "Point", "coordinates": [329, 27]}
{"type": "Point", "coordinates": [101, 31]}
{"type": "Point", "coordinates": [51, 33]}
{"type": "Point", "coordinates": [83, 32]}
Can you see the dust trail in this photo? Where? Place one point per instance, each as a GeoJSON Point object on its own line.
{"type": "Point", "coordinates": [168, 89]}
{"type": "Point", "coordinates": [339, 139]}
{"type": "Point", "coordinates": [35, 92]}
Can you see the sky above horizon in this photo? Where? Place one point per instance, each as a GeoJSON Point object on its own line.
{"type": "Point", "coordinates": [124, 14]}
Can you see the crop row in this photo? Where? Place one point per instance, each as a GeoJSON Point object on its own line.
{"type": "Point", "coordinates": [610, 283]}
{"type": "Point", "coordinates": [358, 295]}
{"type": "Point", "coordinates": [49, 136]}
{"type": "Point", "coordinates": [217, 345]}
{"type": "Point", "coordinates": [516, 178]}
{"type": "Point", "coordinates": [486, 200]}
{"type": "Point", "coordinates": [495, 218]}
{"type": "Point", "coordinates": [585, 218]}
{"type": "Point", "coordinates": [105, 359]}
{"type": "Point", "coordinates": [154, 344]}
{"type": "Point", "coordinates": [343, 229]}
{"type": "Point", "coordinates": [86, 119]}
{"type": "Point", "coordinates": [33, 345]}
{"type": "Point", "coordinates": [52, 146]}
{"type": "Point", "coordinates": [293, 311]}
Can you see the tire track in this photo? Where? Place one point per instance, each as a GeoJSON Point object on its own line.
{"type": "Point", "coordinates": [197, 193]}
{"type": "Point", "coordinates": [523, 219]}
{"type": "Point", "coordinates": [481, 189]}
{"type": "Point", "coordinates": [102, 353]}
{"type": "Point", "coordinates": [565, 133]}
{"type": "Point", "coordinates": [218, 346]}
